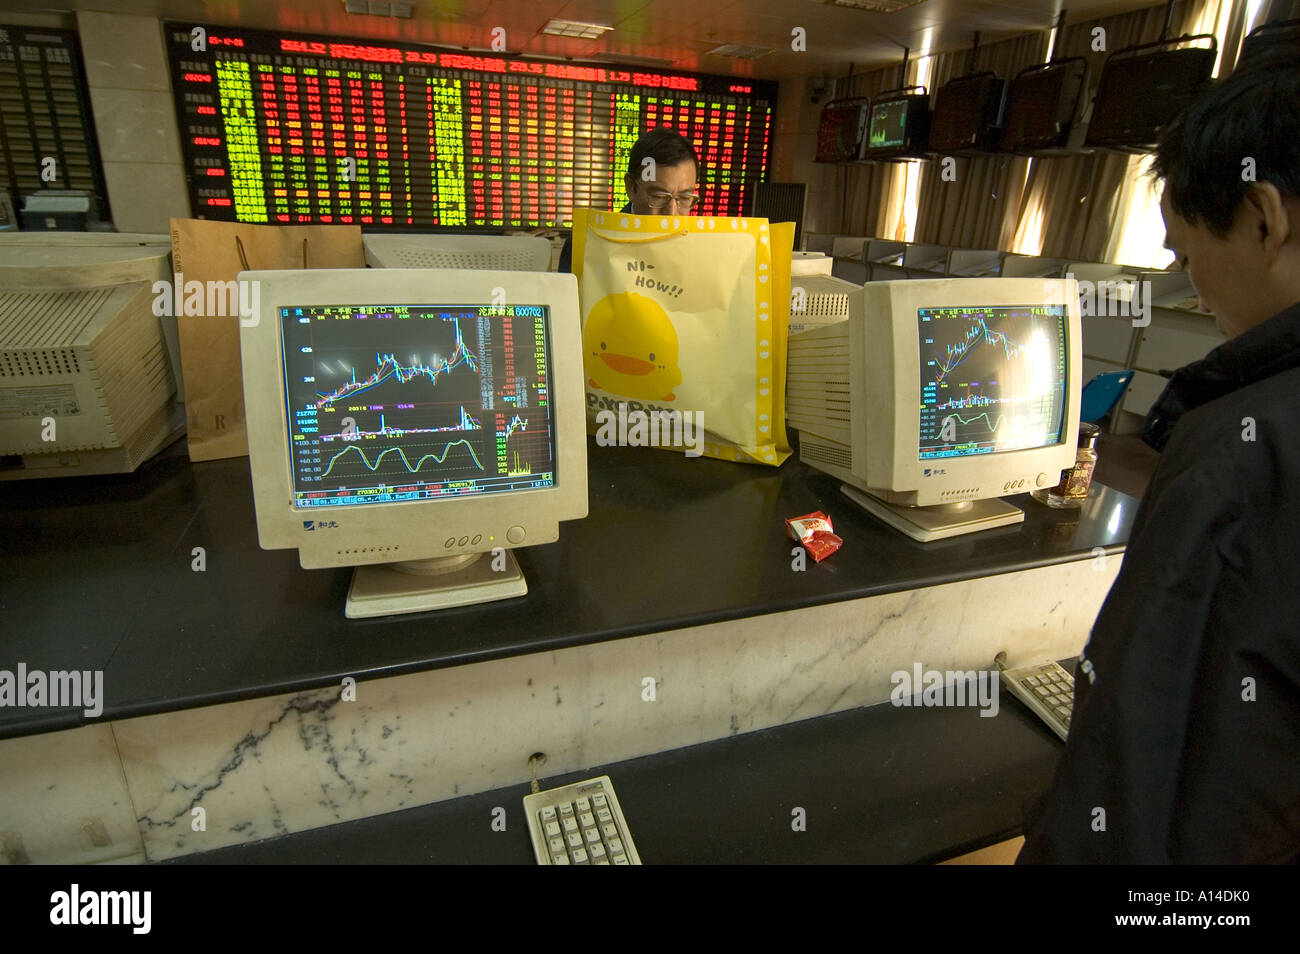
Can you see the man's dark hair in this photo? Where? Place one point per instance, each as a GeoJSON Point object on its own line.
{"type": "Point", "coordinates": [1254, 113]}
{"type": "Point", "coordinates": [665, 146]}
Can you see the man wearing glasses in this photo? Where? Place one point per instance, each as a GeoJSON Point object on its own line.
{"type": "Point", "coordinates": [662, 176]}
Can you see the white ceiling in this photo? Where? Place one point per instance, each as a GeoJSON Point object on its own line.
{"type": "Point", "coordinates": [677, 32]}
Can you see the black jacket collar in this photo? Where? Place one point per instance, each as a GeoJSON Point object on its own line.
{"type": "Point", "coordinates": [1263, 351]}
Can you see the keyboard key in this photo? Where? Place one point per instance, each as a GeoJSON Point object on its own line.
{"type": "Point", "coordinates": [583, 805]}
{"type": "Point", "coordinates": [1031, 680]}
{"type": "Point", "coordinates": [602, 861]}
{"type": "Point", "coordinates": [556, 845]}
{"type": "Point", "coordinates": [598, 852]}
{"type": "Point", "coordinates": [552, 829]}
{"type": "Point", "coordinates": [566, 808]}
{"type": "Point", "coordinates": [559, 859]}
{"type": "Point", "coordinates": [593, 836]}
{"type": "Point", "coordinates": [605, 815]}
{"type": "Point", "coordinates": [575, 840]}
{"type": "Point", "coordinates": [570, 824]}
{"type": "Point", "coordinates": [579, 856]}
{"type": "Point", "coordinates": [615, 846]}
{"type": "Point", "coordinates": [1042, 691]}
{"type": "Point", "coordinates": [1063, 712]}
{"type": "Point", "coordinates": [586, 820]}
{"type": "Point", "coordinates": [621, 860]}
{"type": "Point", "coordinates": [610, 830]}
{"type": "Point", "coordinates": [599, 800]}
{"type": "Point", "coordinates": [548, 813]}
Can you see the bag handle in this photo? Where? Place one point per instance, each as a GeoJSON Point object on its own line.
{"type": "Point", "coordinates": [243, 256]}
{"type": "Point", "coordinates": [621, 238]}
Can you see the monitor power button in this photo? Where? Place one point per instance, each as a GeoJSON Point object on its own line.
{"type": "Point", "coordinates": [515, 534]}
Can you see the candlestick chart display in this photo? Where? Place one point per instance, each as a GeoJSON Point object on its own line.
{"type": "Point", "coordinates": [286, 128]}
{"type": "Point", "coordinates": [993, 379]}
{"type": "Point", "coordinates": [391, 403]}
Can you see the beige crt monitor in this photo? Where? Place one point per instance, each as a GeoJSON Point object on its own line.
{"type": "Point", "coordinates": [416, 424]}
{"type": "Point", "coordinates": [936, 397]}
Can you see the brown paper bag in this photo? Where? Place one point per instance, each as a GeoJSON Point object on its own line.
{"type": "Point", "coordinates": [207, 257]}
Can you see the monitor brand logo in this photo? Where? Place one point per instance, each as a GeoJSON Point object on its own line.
{"type": "Point", "coordinates": [319, 525]}
{"type": "Point", "coordinates": [57, 688]}
{"type": "Point", "coordinates": [932, 687]}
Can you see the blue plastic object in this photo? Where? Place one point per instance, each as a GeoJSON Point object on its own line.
{"type": "Point", "coordinates": [1102, 393]}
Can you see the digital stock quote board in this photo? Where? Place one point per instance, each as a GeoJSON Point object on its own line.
{"type": "Point", "coordinates": [288, 128]}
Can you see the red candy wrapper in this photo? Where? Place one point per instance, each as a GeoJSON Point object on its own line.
{"type": "Point", "coordinates": [815, 532]}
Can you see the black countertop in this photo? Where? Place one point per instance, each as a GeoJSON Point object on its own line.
{"type": "Point", "coordinates": [95, 574]}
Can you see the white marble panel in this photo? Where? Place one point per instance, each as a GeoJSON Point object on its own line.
{"type": "Point", "coordinates": [63, 800]}
{"type": "Point", "coordinates": [295, 762]}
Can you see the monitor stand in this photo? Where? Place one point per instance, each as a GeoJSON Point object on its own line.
{"type": "Point", "coordinates": [418, 586]}
{"type": "Point", "coordinates": [924, 524]}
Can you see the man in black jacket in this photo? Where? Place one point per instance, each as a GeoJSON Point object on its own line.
{"type": "Point", "coordinates": [662, 176]}
{"type": "Point", "coordinates": [1185, 740]}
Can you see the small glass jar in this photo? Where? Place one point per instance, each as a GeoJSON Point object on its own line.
{"type": "Point", "coordinates": [1075, 483]}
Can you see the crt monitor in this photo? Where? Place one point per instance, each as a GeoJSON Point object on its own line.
{"type": "Point", "coordinates": [968, 114]}
{"type": "Point", "coordinates": [1043, 105]}
{"type": "Point", "coordinates": [936, 397]}
{"type": "Point", "coordinates": [416, 424]}
{"type": "Point", "coordinates": [899, 128]}
{"type": "Point", "coordinates": [1142, 90]}
{"type": "Point", "coordinates": [842, 127]}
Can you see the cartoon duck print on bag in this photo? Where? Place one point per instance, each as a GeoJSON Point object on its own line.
{"type": "Point", "coordinates": [630, 347]}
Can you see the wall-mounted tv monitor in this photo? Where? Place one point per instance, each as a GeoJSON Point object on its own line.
{"type": "Point", "coordinates": [843, 126]}
{"type": "Point", "coordinates": [899, 128]}
{"type": "Point", "coordinates": [968, 114]}
{"type": "Point", "coordinates": [1043, 106]}
{"type": "Point", "coordinates": [1142, 90]}
{"type": "Point", "coordinates": [1281, 36]}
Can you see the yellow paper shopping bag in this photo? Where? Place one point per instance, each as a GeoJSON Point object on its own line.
{"type": "Point", "coordinates": [685, 321]}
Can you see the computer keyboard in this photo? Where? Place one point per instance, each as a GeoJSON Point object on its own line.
{"type": "Point", "coordinates": [1047, 690]}
{"type": "Point", "coordinates": [580, 824]}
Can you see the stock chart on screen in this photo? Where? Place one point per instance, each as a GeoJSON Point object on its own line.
{"type": "Point", "coordinates": [992, 379]}
{"type": "Point", "coordinates": [390, 403]}
{"type": "Point", "coordinates": [287, 128]}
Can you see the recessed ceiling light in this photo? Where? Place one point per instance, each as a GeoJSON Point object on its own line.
{"type": "Point", "coordinates": [876, 6]}
{"type": "Point", "coordinates": [575, 28]}
{"type": "Point", "coordinates": [738, 51]}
